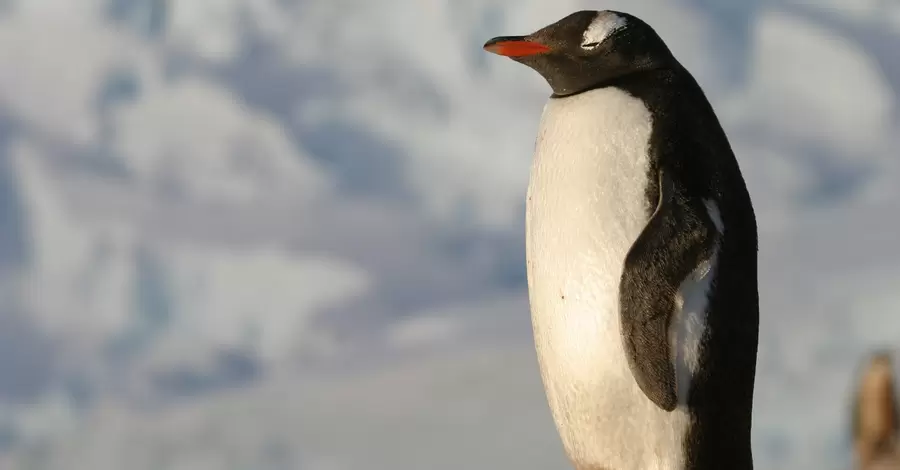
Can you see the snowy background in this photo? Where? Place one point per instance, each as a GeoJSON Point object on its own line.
{"type": "Point", "coordinates": [288, 234]}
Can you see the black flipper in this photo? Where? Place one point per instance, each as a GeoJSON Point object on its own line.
{"type": "Point", "coordinates": [678, 238]}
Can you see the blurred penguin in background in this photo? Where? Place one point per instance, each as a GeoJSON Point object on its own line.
{"type": "Point", "coordinates": [875, 417]}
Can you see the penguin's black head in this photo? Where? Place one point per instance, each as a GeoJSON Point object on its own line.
{"type": "Point", "coordinates": [587, 49]}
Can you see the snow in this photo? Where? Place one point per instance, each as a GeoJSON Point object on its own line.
{"type": "Point", "coordinates": [272, 234]}
{"type": "Point", "coordinates": [56, 79]}
{"type": "Point", "coordinates": [211, 148]}
{"type": "Point", "coordinates": [850, 100]}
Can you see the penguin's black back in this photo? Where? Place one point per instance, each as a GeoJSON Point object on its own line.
{"type": "Point", "coordinates": [689, 143]}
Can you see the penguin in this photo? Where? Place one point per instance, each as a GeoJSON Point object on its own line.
{"type": "Point", "coordinates": [641, 253]}
{"type": "Point", "coordinates": [875, 416]}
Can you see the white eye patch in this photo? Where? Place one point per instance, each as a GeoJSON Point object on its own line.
{"type": "Point", "coordinates": [601, 28]}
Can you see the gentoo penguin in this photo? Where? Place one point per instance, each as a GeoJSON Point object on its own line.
{"type": "Point", "coordinates": [876, 424]}
{"type": "Point", "coordinates": [641, 246]}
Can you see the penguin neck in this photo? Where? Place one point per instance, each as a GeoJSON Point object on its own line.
{"type": "Point", "coordinates": [620, 80]}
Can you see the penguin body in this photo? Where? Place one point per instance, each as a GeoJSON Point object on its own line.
{"type": "Point", "coordinates": [586, 206]}
{"type": "Point", "coordinates": [641, 253]}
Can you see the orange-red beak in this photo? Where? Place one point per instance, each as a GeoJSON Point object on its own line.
{"type": "Point", "coordinates": [515, 46]}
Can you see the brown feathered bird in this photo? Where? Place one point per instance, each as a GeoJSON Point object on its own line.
{"type": "Point", "coordinates": [875, 417]}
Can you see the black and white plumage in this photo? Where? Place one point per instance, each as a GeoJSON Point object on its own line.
{"type": "Point", "coordinates": [641, 247]}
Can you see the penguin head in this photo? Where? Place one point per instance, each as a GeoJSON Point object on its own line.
{"type": "Point", "coordinates": [587, 49]}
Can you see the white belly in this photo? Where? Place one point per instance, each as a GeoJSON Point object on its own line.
{"type": "Point", "coordinates": [586, 206]}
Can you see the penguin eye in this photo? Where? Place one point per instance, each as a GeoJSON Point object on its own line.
{"type": "Point", "coordinates": [604, 25]}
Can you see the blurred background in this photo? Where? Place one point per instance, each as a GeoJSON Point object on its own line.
{"type": "Point", "coordinates": [288, 234]}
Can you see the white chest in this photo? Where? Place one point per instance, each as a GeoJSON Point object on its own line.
{"type": "Point", "coordinates": [586, 206]}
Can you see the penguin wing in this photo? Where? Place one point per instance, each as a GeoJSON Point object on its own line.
{"type": "Point", "coordinates": [678, 239]}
